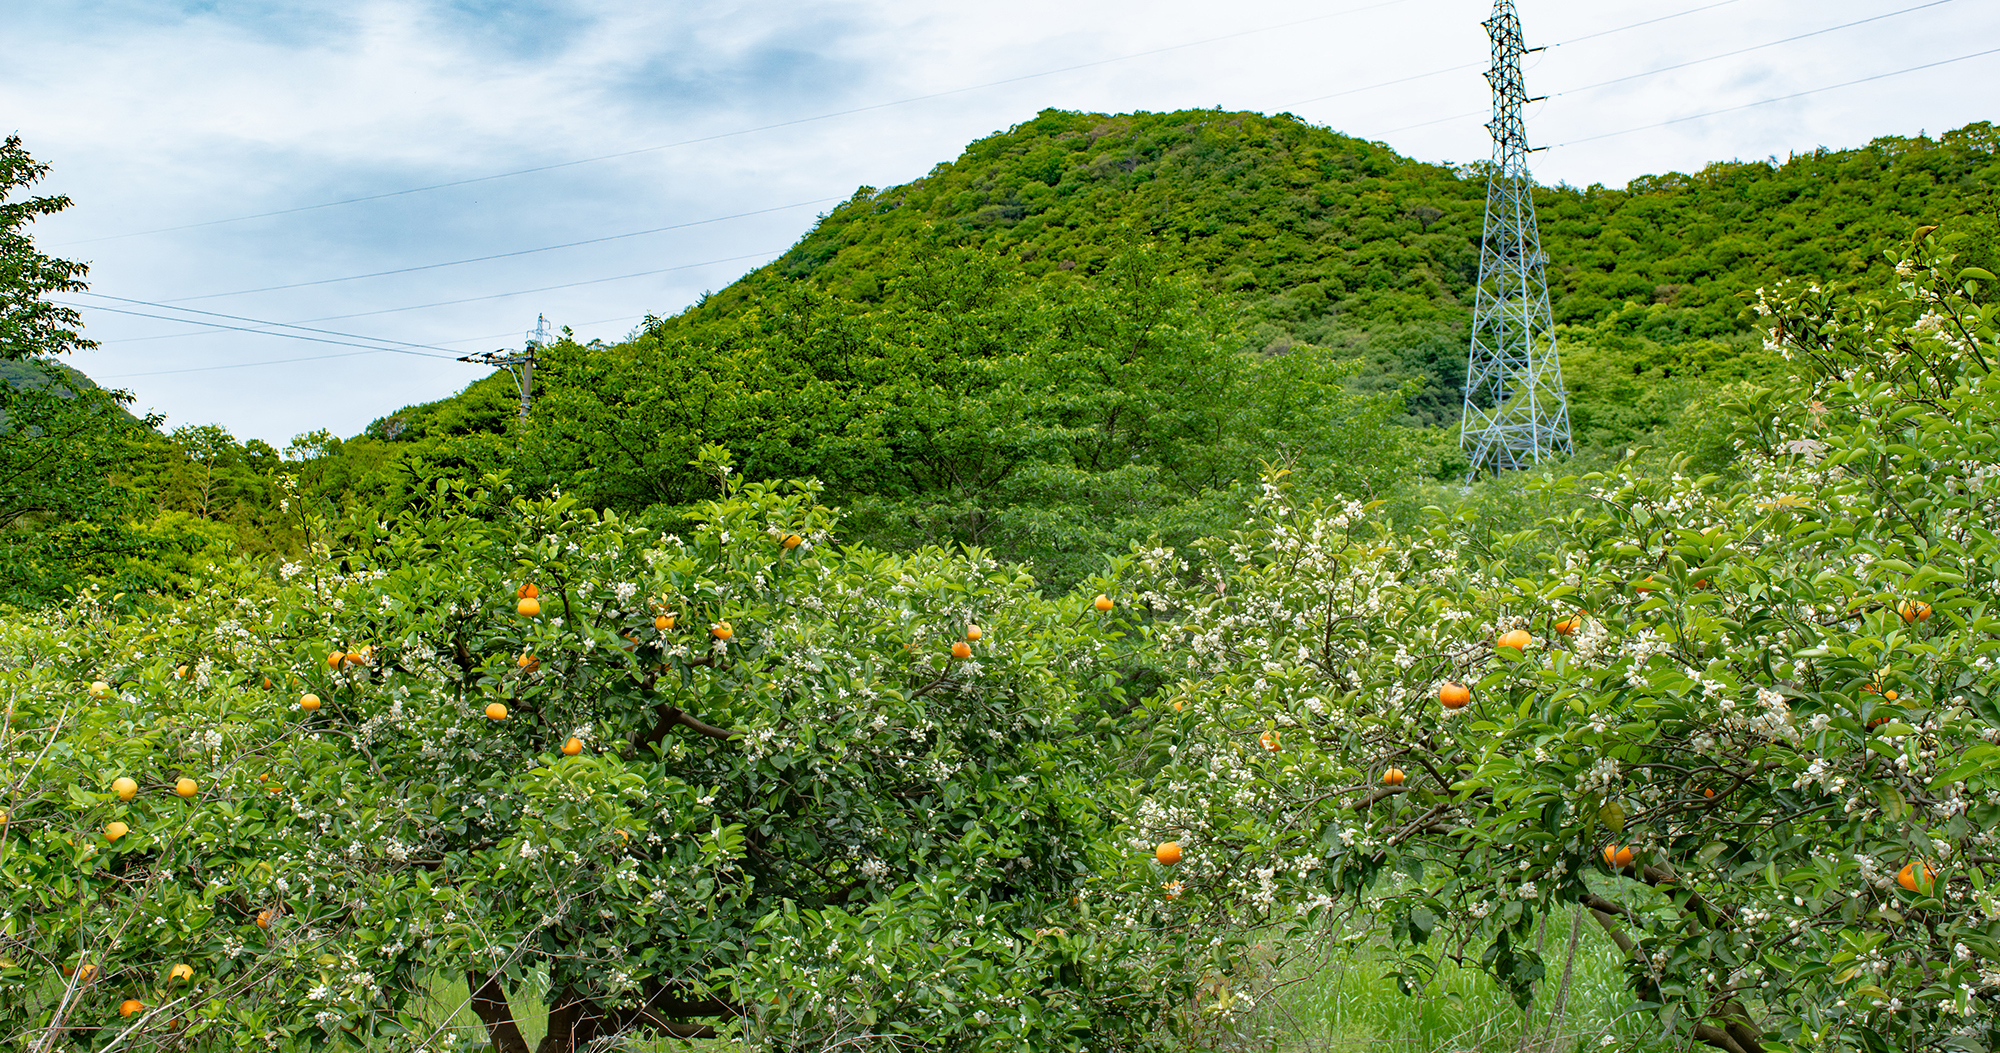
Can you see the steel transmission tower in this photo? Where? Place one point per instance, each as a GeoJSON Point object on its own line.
{"type": "Point", "coordinates": [520, 363]}
{"type": "Point", "coordinates": [1516, 412]}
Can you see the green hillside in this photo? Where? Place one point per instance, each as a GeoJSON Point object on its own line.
{"type": "Point", "coordinates": [1093, 329]}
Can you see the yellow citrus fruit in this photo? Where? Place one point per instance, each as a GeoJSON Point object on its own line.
{"type": "Point", "coordinates": [1914, 610]}
{"type": "Point", "coordinates": [130, 1006]}
{"type": "Point", "coordinates": [496, 711]}
{"type": "Point", "coordinates": [1393, 777]}
{"type": "Point", "coordinates": [333, 660]}
{"type": "Point", "coordinates": [1909, 878]}
{"type": "Point", "coordinates": [125, 788]}
{"type": "Point", "coordinates": [663, 622]}
{"type": "Point", "coordinates": [529, 607]}
{"type": "Point", "coordinates": [1270, 740]}
{"type": "Point", "coordinates": [721, 631]}
{"type": "Point", "coordinates": [973, 632]}
{"type": "Point", "coordinates": [1102, 602]}
{"type": "Point", "coordinates": [100, 689]}
{"type": "Point", "coordinates": [572, 747]}
{"type": "Point", "coordinates": [528, 662]}
{"type": "Point", "coordinates": [1518, 639]}
{"type": "Point", "coordinates": [186, 787]}
{"type": "Point", "coordinates": [1168, 853]}
{"type": "Point", "coordinates": [181, 973]}
{"type": "Point", "coordinates": [264, 919]}
{"type": "Point", "coordinates": [309, 702]}
{"type": "Point", "coordinates": [114, 830]}
{"type": "Point", "coordinates": [1454, 695]}
{"type": "Point", "coordinates": [790, 541]}
{"type": "Point", "coordinates": [961, 649]}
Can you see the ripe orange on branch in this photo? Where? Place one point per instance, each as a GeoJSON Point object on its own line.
{"type": "Point", "coordinates": [1392, 777]}
{"type": "Point", "coordinates": [973, 632]}
{"type": "Point", "coordinates": [186, 787]}
{"type": "Point", "coordinates": [1618, 857]}
{"type": "Point", "coordinates": [1568, 626]}
{"type": "Point", "coordinates": [1102, 602]}
{"type": "Point", "coordinates": [663, 622]}
{"type": "Point", "coordinates": [125, 788]}
{"type": "Point", "coordinates": [961, 649]}
{"type": "Point", "coordinates": [130, 1006]}
{"type": "Point", "coordinates": [790, 541]}
{"type": "Point", "coordinates": [309, 702]}
{"type": "Point", "coordinates": [114, 830]}
{"type": "Point", "coordinates": [1270, 740]}
{"type": "Point", "coordinates": [1910, 879]}
{"type": "Point", "coordinates": [1517, 639]}
{"type": "Point", "coordinates": [1454, 695]}
{"type": "Point", "coordinates": [1168, 853]}
{"type": "Point", "coordinates": [496, 711]}
{"type": "Point", "coordinates": [529, 607]}
{"type": "Point", "coordinates": [721, 630]}
{"type": "Point", "coordinates": [527, 592]}
{"type": "Point", "coordinates": [573, 747]}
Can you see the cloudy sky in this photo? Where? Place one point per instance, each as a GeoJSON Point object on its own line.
{"type": "Point", "coordinates": [334, 166]}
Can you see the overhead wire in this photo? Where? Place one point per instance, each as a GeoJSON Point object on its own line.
{"type": "Point", "coordinates": [503, 255]}
{"type": "Point", "coordinates": [1693, 62]}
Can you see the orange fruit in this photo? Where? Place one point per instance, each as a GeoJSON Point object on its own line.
{"type": "Point", "coordinates": [186, 787]}
{"type": "Point", "coordinates": [355, 658]}
{"type": "Point", "coordinates": [1393, 777]}
{"type": "Point", "coordinates": [1708, 791]}
{"type": "Point", "coordinates": [973, 632]}
{"type": "Point", "coordinates": [130, 1006]}
{"type": "Point", "coordinates": [1518, 639]}
{"type": "Point", "coordinates": [333, 660]}
{"type": "Point", "coordinates": [264, 919]}
{"type": "Point", "coordinates": [181, 973]}
{"type": "Point", "coordinates": [1646, 584]}
{"type": "Point", "coordinates": [1168, 853]}
{"type": "Point", "coordinates": [721, 631]}
{"type": "Point", "coordinates": [100, 689]}
{"type": "Point", "coordinates": [496, 711]}
{"type": "Point", "coordinates": [1909, 879]}
{"type": "Point", "coordinates": [181, 672]}
{"type": "Point", "coordinates": [663, 622]}
{"type": "Point", "coordinates": [114, 830]}
{"type": "Point", "coordinates": [1618, 857]}
{"type": "Point", "coordinates": [961, 649]}
{"type": "Point", "coordinates": [309, 702]}
{"type": "Point", "coordinates": [527, 592]}
{"type": "Point", "coordinates": [1914, 610]}
{"type": "Point", "coordinates": [1454, 695]}
{"type": "Point", "coordinates": [1270, 740]}
{"type": "Point", "coordinates": [267, 683]}
{"type": "Point", "coordinates": [528, 662]}
{"type": "Point", "coordinates": [790, 541]}
{"type": "Point", "coordinates": [1568, 626]}
{"type": "Point", "coordinates": [1102, 602]}
{"type": "Point", "coordinates": [1171, 889]}
{"type": "Point", "coordinates": [573, 747]}
{"type": "Point", "coordinates": [1890, 694]}
{"type": "Point", "coordinates": [529, 607]}
{"type": "Point", "coordinates": [125, 788]}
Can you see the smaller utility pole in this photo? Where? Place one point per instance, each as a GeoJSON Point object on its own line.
{"type": "Point", "coordinates": [519, 363]}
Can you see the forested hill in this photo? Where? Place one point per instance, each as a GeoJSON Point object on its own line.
{"type": "Point", "coordinates": [1310, 228]}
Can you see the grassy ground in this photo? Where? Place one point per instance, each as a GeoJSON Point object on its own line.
{"type": "Point", "coordinates": [1351, 1003]}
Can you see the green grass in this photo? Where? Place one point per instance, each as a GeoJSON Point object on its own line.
{"type": "Point", "coordinates": [1347, 1001]}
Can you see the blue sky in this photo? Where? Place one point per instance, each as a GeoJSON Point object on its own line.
{"type": "Point", "coordinates": [177, 115]}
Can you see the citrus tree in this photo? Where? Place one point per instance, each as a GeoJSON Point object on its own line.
{"type": "Point", "coordinates": [741, 781]}
{"type": "Point", "coordinates": [1744, 726]}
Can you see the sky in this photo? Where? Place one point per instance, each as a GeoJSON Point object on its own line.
{"type": "Point", "coordinates": [600, 160]}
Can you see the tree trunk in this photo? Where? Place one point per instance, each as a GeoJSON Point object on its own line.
{"type": "Point", "coordinates": [489, 1001]}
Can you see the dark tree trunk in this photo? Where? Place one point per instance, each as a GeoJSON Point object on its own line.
{"type": "Point", "coordinates": [489, 1001]}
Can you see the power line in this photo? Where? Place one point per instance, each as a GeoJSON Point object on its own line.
{"type": "Point", "coordinates": [1782, 98]}
{"type": "Point", "coordinates": [240, 318]}
{"type": "Point", "coordinates": [392, 310]}
{"type": "Point", "coordinates": [1756, 47]}
{"type": "Point", "coordinates": [749, 131]}
{"type": "Point", "coordinates": [319, 358]}
{"type": "Point", "coordinates": [505, 255]}
{"type": "Point", "coordinates": [1476, 65]}
{"type": "Point", "coordinates": [1692, 62]}
{"type": "Point", "coordinates": [264, 332]}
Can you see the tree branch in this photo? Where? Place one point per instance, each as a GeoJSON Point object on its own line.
{"type": "Point", "coordinates": [489, 1001]}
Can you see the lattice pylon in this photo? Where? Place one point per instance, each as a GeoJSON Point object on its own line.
{"type": "Point", "coordinates": [1516, 412]}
